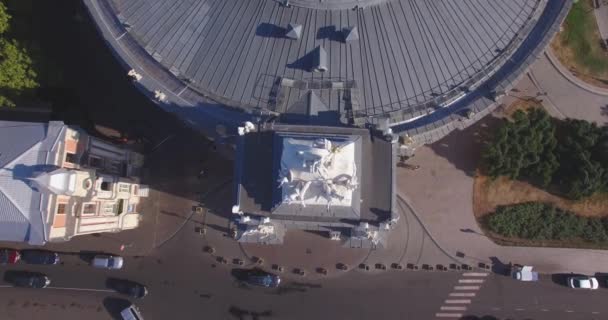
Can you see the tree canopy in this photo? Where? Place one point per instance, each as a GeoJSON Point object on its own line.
{"type": "Point", "coordinates": [17, 72]}
{"type": "Point", "coordinates": [524, 148]}
{"type": "Point", "coordinates": [569, 154]}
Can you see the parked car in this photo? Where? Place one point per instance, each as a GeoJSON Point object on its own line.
{"type": "Point", "coordinates": [261, 278]}
{"type": "Point", "coordinates": [27, 279]}
{"type": "Point", "coordinates": [9, 256]}
{"type": "Point", "coordinates": [131, 313]}
{"type": "Point", "coordinates": [524, 273]}
{"type": "Point", "coordinates": [583, 282]}
{"type": "Point", "coordinates": [127, 287]}
{"type": "Point", "coordinates": [39, 257]}
{"type": "Point", "coordinates": [107, 262]}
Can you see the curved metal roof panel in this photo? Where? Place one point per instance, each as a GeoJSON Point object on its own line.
{"type": "Point", "coordinates": [408, 52]}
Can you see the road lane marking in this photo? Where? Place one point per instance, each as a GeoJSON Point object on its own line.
{"type": "Point", "coordinates": [80, 289]}
{"type": "Point", "coordinates": [448, 315]}
{"type": "Point", "coordinates": [595, 312]}
{"type": "Point", "coordinates": [466, 288]}
{"type": "Point", "coordinates": [470, 281]}
{"type": "Point", "coordinates": [462, 294]}
{"type": "Point", "coordinates": [65, 288]}
{"type": "Point", "coordinates": [475, 274]}
{"type": "Point", "coordinates": [456, 301]}
{"type": "Point", "coordinates": [453, 308]}
{"type": "Point", "coordinates": [519, 309]}
{"type": "Point", "coordinates": [569, 311]}
{"type": "Point", "coordinates": [544, 310]}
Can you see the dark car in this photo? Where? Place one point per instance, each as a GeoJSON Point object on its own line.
{"type": "Point", "coordinates": [127, 287]}
{"type": "Point", "coordinates": [261, 278]}
{"type": "Point", "coordinates": [9, 256]}
{"type": "Point", "coordinates": [39, 257]}
{"type": "Point", "coordinates": [26, 279]}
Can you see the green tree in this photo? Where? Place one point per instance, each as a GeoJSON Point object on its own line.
{"type": "Point", "coordinates": [523, 148]}
{"type": "Point", "coordinates": [582, 170]}
{"type": "Point", "coordinates": [4, 18]}
{"type": "Point", "coordinates": [17, 74]}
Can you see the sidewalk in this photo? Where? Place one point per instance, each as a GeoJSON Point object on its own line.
{"type": "Point", "coordinates": [560, 93]}
{"type": "Point", "coordinates": [441, 193]}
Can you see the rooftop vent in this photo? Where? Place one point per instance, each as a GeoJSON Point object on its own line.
{"type": "Point", "coordinates": [319, 62]}
{"type": "Point", "coordinates": [294, 31]}
{"type": "Point", "coordinates": [350, 34]}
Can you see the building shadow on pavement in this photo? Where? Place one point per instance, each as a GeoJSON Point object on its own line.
{"type": "Point", "coordinates": [463, 148]}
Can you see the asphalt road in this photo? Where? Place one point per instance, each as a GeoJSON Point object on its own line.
{"type": "Point", "coordinates": [184, 283]}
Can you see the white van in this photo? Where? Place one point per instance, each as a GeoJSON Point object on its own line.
{"type": "Point", "coordinates": [131, 313]}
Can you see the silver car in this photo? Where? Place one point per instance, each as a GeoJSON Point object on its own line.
{"type": "Point", "coordinates": [107, 262]}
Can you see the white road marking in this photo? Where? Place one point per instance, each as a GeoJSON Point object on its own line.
{"type": "Point", "coordinates": [462, 294]}
{"type": "Point", "coordinates": [456, 301]}
{"type": "Point", "coordinates": [569, 311]}
{"type": "Point", "coordinates": [453, 308]}
{"type": "Point", "coordinates": [470, 281]}
{"type": "Point", "coordinates": [544, 310]}
{"type": "Point", "coordinates": [475, 274]}
{"type": "Point", "coordinates": [466, 288]}
{"type": "Point", "coordinates": [519, 309]}
{"type": "Point", "coordinates": [80, 289]}
{"type": "Point", "coordinates": [448, 315]}
{"type": "Point", "coordinates": [64, 288]}
{"type": "Point", "coordinates": [496, 308]}
{"type": "Point", "coordinates": [595, 312]}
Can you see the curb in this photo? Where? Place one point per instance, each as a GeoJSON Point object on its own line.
{"type": "Point", "coordinates": [571, 77]}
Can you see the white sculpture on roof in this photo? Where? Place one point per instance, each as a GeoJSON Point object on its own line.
{"type": "Point", "coordinates": [264, 230]}
{"type": "Point", "coordinates": [318, 170]}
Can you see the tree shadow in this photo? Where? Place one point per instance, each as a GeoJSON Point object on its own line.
{"type": "Point", "coordinates": [463, 148]}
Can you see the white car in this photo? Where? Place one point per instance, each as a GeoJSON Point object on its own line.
{"type": "Point", "coordinates": [107, 262]}
{"type": "Point", "coordinates": [583, 282]}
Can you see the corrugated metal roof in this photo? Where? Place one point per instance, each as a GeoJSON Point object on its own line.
{"type": "Point", "coordinates": [408, 52]}
{"type": "Point", "coordinates": [28, 147]}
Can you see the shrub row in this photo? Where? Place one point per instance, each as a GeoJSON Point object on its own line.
{"type": "Point", "coordinates": [540, 221]}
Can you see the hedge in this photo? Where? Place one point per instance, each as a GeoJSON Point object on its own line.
{"type": "Point", "coordinates": [541, 221]}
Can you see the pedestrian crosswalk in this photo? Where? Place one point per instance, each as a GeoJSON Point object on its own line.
{"type": "Point", "coordinates": [456, 304]}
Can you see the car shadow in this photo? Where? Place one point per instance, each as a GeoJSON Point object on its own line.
{"type": "Point", "coordinates": [562, 278]}
{"type": "Point", "coordinates": [602, 279]}
{"type": "Point", "coordinates": [10, 275]}
{"type": "Point", "coordinates": [114, 306]}
{"type": "Point", "coordinates": [239, 274]}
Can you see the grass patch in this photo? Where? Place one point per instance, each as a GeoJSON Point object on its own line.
{"type": "Point", "coordinates": [580, 47]}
